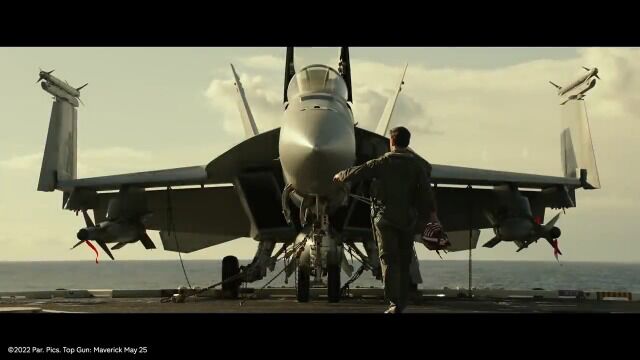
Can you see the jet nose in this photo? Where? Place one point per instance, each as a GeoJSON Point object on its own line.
{"type": "Point", "coordinates": [315, 147]}
{"type": "Point", "coordinates": [323, 145]}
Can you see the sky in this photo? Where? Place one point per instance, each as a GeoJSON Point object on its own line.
{"type": "Point", "coordinates": [154, 108]}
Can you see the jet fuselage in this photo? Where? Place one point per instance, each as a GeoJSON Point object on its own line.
{"type": "Point", "coordinates": [317, 136]}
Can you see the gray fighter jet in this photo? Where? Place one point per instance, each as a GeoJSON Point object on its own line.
{"type": "Point", "coordinates": [276, 187]}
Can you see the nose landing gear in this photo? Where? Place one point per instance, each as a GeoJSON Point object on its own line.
{"type": "Point", "coordinates": [321, 257]}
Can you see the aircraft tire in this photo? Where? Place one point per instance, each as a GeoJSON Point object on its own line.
{"type": "Point", "coordinates": [304, 284]}
{"type": "Point", "coordinates": [230, 267]}
{"type": "Point", "coordinates": [333, 283]}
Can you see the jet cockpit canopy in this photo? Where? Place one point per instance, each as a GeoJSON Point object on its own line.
{"type": "Point", "coordinates": [317, 79]}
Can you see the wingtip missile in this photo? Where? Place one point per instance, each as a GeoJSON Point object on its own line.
{"type": "Point", "coordinates": [59, 88]}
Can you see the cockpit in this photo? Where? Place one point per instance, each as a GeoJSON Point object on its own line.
{"type": "Point", "coordinates": [317, 79]}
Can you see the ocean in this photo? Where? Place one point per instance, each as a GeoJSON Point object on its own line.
{"type": "Point", "coordinates": [168, 274]}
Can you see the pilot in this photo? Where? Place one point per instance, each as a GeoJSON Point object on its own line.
{"type": "Point", "coordinates": [402, 204]}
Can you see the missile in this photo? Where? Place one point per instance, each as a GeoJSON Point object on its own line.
{"type": "Point", "coordinates": [58, 88]}
{"type": "Point", "coordinates": [75, 92]}
{"type": "Point", "coordinates": [110, 232]}
{"type": "Point", "coordinates": [587, 79]}
{"type": "Point", "coordinates": [59, 93]}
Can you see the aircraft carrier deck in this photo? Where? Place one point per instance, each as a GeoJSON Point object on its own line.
{"type": "Point", "coordinates": [282, 300]}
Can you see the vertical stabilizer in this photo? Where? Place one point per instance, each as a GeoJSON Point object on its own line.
{"type": "Point", "coordinates": [578, 155]}
{"type": "Point", "coordinates": [59, 160]}
{"type": "Point", "coordinates": [569, 162]}
{"type": "Point", "coordinates": [289, 71]}
{"type": "Point", "coordinates": [248, 123]}
{"type": "Point", "coordinates": [385, 119]}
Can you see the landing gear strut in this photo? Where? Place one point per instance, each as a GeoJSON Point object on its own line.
{"type": "Point", "coordinates": [322, 256]}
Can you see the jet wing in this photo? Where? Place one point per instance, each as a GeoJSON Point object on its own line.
{"type": "Point", "coordinates": [456, 175]}
{"type": "Point", "coordinates": [371, 145]}
{"type": "Point", "coordinates": [193, 175]}
{"type": "Point", "coordinates": [256, 152]}
{"type": "Point", "coordinates": [193, 218]}
{"type": "Point", "coordinates": [215, 213]}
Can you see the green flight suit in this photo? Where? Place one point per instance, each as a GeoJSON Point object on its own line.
{"type": "Point", "coordinates": [401, 200]}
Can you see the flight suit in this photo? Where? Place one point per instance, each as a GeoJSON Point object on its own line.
{"type": "Point", "coordinates": [401, 199]}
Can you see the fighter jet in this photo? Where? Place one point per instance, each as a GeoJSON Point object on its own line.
{"type": "Point", "coordinates": [276, 186]}
{"type": "Point", "coordinates": [578, 88]}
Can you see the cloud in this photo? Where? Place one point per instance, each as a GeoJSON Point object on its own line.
{"type": "Point", "coordinates": [369, 105]}
{"type": "Point", "coordinates": [264, 94]}
{"type": "Point", "coordinates": [114, 152]}
{"type": "Point", "coordinates": [264, 98]}
{"type": "Point", "coordinates": [105, 161]}
{"type": "Point", "coordinates": [91, 162]}
{"type": "Point", "coordinates": [22, 162]}
{"type": "Point", "coordinates": [620, 84]}
{"type": "Point", "coordinates": [268, 62]}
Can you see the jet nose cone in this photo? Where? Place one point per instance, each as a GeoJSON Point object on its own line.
{"type": "Point", "coordinates": [315, 147]}
{"type": "Point", "coordinates": [326, 148]}
{"type": "Point", "coordinates": [319, 146]}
